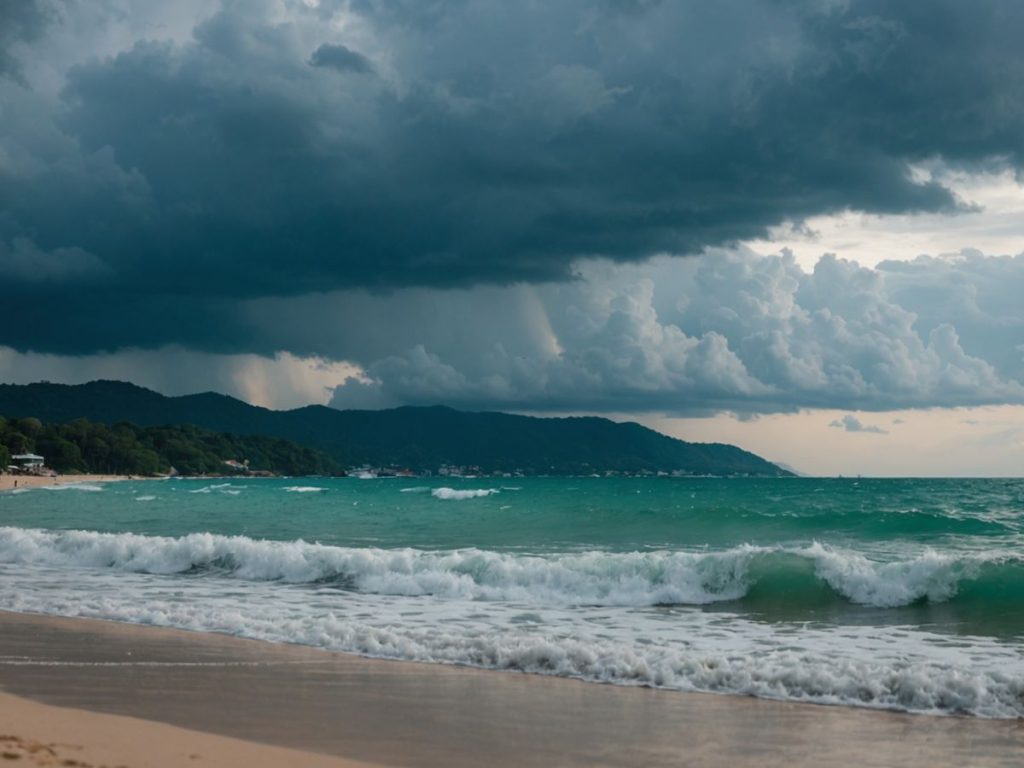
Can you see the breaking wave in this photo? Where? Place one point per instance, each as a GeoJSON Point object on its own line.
{"type": "Point", "coordinates": [720, 653]}
{"type": "Point", "coordinates": [90, 487]}
{"type": "Point", "coordinates": [470, 493]}
{"type": "Point", "coordinates": [585, 578]}
{"type": "Point", "coordinates": [225, 488]}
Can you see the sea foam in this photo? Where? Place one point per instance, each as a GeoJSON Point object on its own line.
{"type": "Point", "coordinates": [721, 653]}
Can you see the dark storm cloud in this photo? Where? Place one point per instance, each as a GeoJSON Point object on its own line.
{"type": "Point", "coordinates": [341, 58]}
{"type": "Point", "coordinates": [496, 143]}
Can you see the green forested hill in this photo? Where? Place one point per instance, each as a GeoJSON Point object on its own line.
{"type": "Point", "coordinates": [414, 437]}
{"type": "Point", "coordinates": [126, 449]}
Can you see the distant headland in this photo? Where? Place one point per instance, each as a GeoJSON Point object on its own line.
{"type": "Point", "coordinates": [407, 440]}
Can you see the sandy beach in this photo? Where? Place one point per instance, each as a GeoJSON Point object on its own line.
{"type": "Point", "coordinates": [37, 734]}
{"type": "Point", "coordinates": [144, 694]}
{"type": "Point", "coordinates": [10, 482]}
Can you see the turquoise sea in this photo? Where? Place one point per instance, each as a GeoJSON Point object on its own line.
{"type": "Point", "coordinates": [898, 594]}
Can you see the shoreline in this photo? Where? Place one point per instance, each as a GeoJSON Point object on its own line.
{"type": "Point", "coordinates": [7, 482]}
{"type": "Point", "coordinates": [10, 482]}
{"type": "Point", "coordinates": [408, 713]}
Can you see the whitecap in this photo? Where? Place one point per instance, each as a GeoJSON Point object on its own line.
{"type": "Point", "coordinates": [90, 487]}
{"type": "Point", "coordinates": [891, 584]}
{"type": "Point", "coordinates": [450, 494]}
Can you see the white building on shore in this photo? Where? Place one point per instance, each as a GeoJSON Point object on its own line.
{"type": "Point", "coordinates": [27, 463]}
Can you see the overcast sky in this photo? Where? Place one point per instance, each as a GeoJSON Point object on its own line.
{"type": "Point", "coordinates": [795, 226]}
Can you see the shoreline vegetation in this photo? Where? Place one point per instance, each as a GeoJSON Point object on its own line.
{"type": "Point", "coordinates": [138, 696]}
{"type": "Point", "coordinates": [88, 448]}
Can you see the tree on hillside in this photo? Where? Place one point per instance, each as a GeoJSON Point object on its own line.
{"type": "Point", "coordinates": [30, 426]}
{"type": "Point", "coordinates": [17, 442]}
{"type": "Point", "coordinates": [60, 454]}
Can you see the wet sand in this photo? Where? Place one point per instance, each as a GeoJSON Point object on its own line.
{"type": "Point", "coordinates": [404, 713]}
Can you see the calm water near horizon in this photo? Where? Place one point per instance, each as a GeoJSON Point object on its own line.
{"type": "Point", "coordinates": [903, 594]}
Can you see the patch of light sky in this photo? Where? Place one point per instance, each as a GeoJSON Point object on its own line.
{"type": "Point", "coordinates": [992, 223]}
{"type": "Point", "coordinates": [949, 442]}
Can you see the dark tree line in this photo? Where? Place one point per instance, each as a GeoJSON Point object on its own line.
{"type": "Point", "coordinates": [125, 449]}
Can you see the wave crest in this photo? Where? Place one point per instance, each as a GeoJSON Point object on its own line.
{"type": "Point", "coordinates": [586, 578]}
{"type": "Point", "coordinates": [931, 576]}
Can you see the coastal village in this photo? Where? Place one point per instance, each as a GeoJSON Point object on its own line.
{"type": "Point", "coordinates": [34, 465]}
{"type": "Point", "coordinates": [367, 472]}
